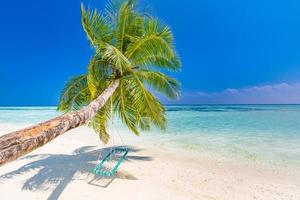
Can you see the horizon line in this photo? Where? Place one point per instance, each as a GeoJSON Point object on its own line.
{"type": "Point", "coordinates": [181, 104]}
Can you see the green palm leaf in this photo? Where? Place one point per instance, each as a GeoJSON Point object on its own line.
{"type": "Point", "coordinates": [75, 94]}
{"type": "Point", "coordinates": [160, 82]}
{"type": "Point", "coordinates": [100, 121]}
{"type": "Point", "coordinates": [131, 47]}
{"type": "Point", "coordinates": [96, 26]}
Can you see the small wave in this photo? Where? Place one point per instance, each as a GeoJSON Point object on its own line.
{"type": "Point", "coordinates": [232, 108]}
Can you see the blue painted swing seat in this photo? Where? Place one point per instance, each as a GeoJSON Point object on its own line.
{"type": "Point", "coordinates": [101, 169]}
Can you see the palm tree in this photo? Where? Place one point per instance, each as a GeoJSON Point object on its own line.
{"type": "Point", "coordinates": [131, 50]}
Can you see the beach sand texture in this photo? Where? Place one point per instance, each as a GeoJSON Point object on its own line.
{"type": "Point", "coordinates": [61, 170]}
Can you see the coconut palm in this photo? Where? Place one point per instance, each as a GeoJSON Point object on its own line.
{"type": "Point", "coordinates": [131, 51]}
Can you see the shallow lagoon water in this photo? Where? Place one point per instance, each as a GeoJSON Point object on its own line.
{"type": "Point", "coordinates": [255, 134]}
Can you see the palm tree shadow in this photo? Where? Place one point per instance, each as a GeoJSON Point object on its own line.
{"type": "Point", "coordinates": [60, 169]}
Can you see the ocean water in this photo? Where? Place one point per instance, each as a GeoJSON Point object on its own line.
{"type": "Point", "coordinates": [255, 134]}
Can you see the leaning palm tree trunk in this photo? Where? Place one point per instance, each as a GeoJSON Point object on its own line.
{"type": "Point", "coordinates": [18, 143]}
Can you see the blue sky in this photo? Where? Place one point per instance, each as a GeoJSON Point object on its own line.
{"type": "Point", "coordinates": [232, 51]}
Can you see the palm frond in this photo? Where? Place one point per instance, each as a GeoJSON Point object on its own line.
{"type": "Point", "coordinates": [155, 48]}
{"type": "Point", "coordinates": [114, 57]}
{"type": "Point", "coordinates": [132, 47]}
{"type": "Point", "coordinates": [96, 26]}
{"type": "Point", "coordinates": [99, 76]}
{"type": "Point", "coordinates": [160, 82]}
{"type": "Point", "coordinates": [160, 61]}
{"type": "Point", "coordinates": [113, 8]}
{"type": "Point", "coordinates": [125, 107]}
{"type": "Point", "coordinates": [99, 122]}
{"type": "Point", "coordinates": [155, 34]}
{"type": "Point", "coordinates": [74, 94]}
{"type": "Point", "coordinates": [147, 106]}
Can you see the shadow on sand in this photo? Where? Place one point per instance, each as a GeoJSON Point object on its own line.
{"type": "Point", "coordinates": [60, 169]}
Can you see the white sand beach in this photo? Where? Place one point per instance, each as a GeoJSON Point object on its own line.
{"type": "Point", "coordinates": [60, 170]}
{"type": "Point", "coordinates": [201, 97]}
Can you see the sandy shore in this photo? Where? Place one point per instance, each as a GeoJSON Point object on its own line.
{"type": "Point", "coordinates": [60, 170]}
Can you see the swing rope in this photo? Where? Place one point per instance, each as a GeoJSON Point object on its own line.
{"type": "Point", "coordinates": [113, 159]}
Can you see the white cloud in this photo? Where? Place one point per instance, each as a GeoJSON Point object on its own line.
{"type": "Point", "coordinates": [282, 93]}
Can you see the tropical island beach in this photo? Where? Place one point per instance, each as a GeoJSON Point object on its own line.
{"type": "Point", "coordinates": [161, 165]}
{"type": "Point", "coordinates": [118, 100]}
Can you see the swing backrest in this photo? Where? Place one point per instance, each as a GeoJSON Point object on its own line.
{"type": "Point", "coordinates": [100, 169]}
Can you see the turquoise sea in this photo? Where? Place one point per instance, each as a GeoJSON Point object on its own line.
{"type": "Point", "coordinates": [254, 134]}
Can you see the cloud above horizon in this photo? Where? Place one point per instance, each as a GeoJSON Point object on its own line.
{"type": "Point", "coordinates": [282, 93]}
